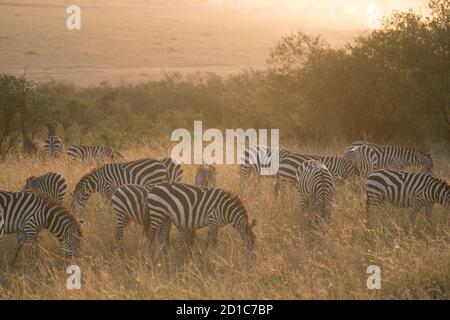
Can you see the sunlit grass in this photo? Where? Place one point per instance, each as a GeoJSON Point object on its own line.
{"type": "Point", "coordinates": [295, 259]}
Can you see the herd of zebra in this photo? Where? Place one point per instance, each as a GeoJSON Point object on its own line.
{"type": "Point", "coordinates": [150, 192]}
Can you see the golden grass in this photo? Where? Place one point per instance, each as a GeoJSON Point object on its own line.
{"type": "Point", "coordinates": [294, 259]}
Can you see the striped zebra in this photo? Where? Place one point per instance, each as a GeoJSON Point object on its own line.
{"type": "Point", "coordinates": [129, 203]}
{"type": "Point", "coordinates": [174, 168]}
{"type": "Point", "coordinates": [107, 178]}
{"type": "Point", "coordinates": [190, 207]}
{"type": "Point", "coordinates": [27, 214]}
{"type": "Point", "coordinates": [257, 158]}
{"type": "Point", "coordinates": [397, 157]}
{"type": "Point", "coordinates": [53, 147]}
{"type": "Point", "coordinates": [93, 153]}
{"type": "Point", "coordinates": [205, 176]}
{"type": "Point", "coordinates": [339, 167]}
{"type": "Point", "coordinates": [405, 189]}
{"type": "Point", "coordinates": [51, 184]}
{"type": "Point", "coordinates": [315, 188]}
{"type": "Point", "coordinates": [364, 158]}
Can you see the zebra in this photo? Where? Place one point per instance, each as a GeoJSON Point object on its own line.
{"type": "Point", "coordinates": [27, 214]}
{"type": "Point", "coordinates": [190, 207]}
{"type": "Point", "coordinates": [93, 153]}
{"type": "Point", "coordinates": [340, 168]}
{"type": "Point", "coordinates": [405, 189]}
{"type": "Point", "coordinates": [174, 168]}
{"type": "Point", "coordinates": [129, 203]}
{"type": "Point", "coordinates": [51, 184]}
{"type": "Point", "coordinates": [315, 188]}
{"type": "Point", "coordinates": [255, 159]}
{"type": "Point", "coordinates": [397, 157]}
{"type": "Point", "coordinates": [108, 177]}
{"type": "Point", "coordinates": [364, 158]}
{"type": "Point", "coordinates": [205, 176]}
{"type": "Point", "coordinates": [53, 147]}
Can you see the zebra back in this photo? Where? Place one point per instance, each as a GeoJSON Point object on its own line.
{"type": "Point", "coordinates": [51, 184]}
{"type": "Point", "coordinates": [108, 177]}
{"type": "Point", "coordinates": [174, 169]}
{"type": "Point", "coordinates": [93, 153]}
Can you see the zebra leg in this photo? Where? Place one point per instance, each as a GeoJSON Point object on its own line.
{"type": "Point", "coordinates": [118, 235]}
{"type": "Point", "coordinates": [20, 239]}
{"type": "Point", "coordinates": [182, 238]}
{"type": "Point", "coordinates": [429, 211]}
{"type": "Point", "coordinates": [211, 238]}
{"type": "Point", "coordinates": [164, 237]}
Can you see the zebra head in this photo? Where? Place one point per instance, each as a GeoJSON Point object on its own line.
{"type": "Point", "coordinates": [427, 163]}
{"type": "Point", "coordinates": [28, 184]}
{"type": "Point", "coordinates": [207, 174]}
{"type": "Point", "coordinates": [70, 244]}
{"type": "Point", "coordinates": [364, 159]}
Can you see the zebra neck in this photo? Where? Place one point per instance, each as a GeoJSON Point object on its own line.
{"type": "Point", "coordinates": [54, 220]}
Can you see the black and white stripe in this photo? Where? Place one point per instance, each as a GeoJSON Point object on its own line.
{"type": "Point", "coordinates": [315, 188]}
{"type": "Point", "coordinates": [406, 189]}
{"type": "Point", "coordinates": [257, 158]}
{"type": "Point", "coordinates": [2, 224]}
{"type": "Point", "coordinates": [51, 184]}
{"type": "Point", "coordinates": [174, 168]}
{"type": "Point", "coordinates": [93, 153]}
{"type": "Point", "coordinates": [205, 176]}
{"type": "Point", "coordinates": [107, 178]}
{"type": "Point", "coordinates": [27, 214]}
{"type": "Point", "coordinates": [339, 167]}
{"type": "Point", "coordinates": [364, 158]}
{"type": "Point", "coordinates": [397, 157]}
{"type": "Point", "coordinates": [190, 207]}
{"type": "Point", "coordinates": [53, 147]}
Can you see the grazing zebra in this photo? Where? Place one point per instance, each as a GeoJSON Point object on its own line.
{"type": "Point", "coordinates": [107, 178]}
{"type": "Point", "coordinates": [190, 207]}
{"type": "Point", "coordinates": [406, 189]}
{"type": "Point", "coordinates": [27, 214]}
{"type": "Point", "coordinates": [51, 184]}
{"type": "Point", "coordinates": [256, 159]}
{"type": "Point", "coordinates": [130, 204]}
{"type": "Point", "coordinates": [315, 188]}
{"type": "Point", "coordinates": [53, 147]}
{"type": "Point", "coordinates": [397, 157]}
{"type": "Point", "coordinates": [174, 168]}
{"type": "Point", "coordinates": [364, 158]}
{"type": "Point", "coordinates": [339, 167]}
{"type": "Point", "coordinates": [93, 153]}
{"type": "Point", "coordinates": [205, 176]}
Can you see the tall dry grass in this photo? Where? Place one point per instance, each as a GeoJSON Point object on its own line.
{"type": "Point", "coordinates": [295, 260]}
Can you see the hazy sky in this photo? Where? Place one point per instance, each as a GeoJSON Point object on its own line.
{"type": "Point", "coordinates": [346, 14]}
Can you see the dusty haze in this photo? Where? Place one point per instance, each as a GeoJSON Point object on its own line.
{"type": "Point", "coordinates": [137, 40]}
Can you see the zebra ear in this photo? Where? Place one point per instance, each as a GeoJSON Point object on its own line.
{"type": "Point", "coordinates": [252, 224]}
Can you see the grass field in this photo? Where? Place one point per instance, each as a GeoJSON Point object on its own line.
{"type": "Point", "coordinates": [295, 260]}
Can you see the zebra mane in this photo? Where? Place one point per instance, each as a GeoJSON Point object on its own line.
{"type": "Point", "coordinates": [235, 199]}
